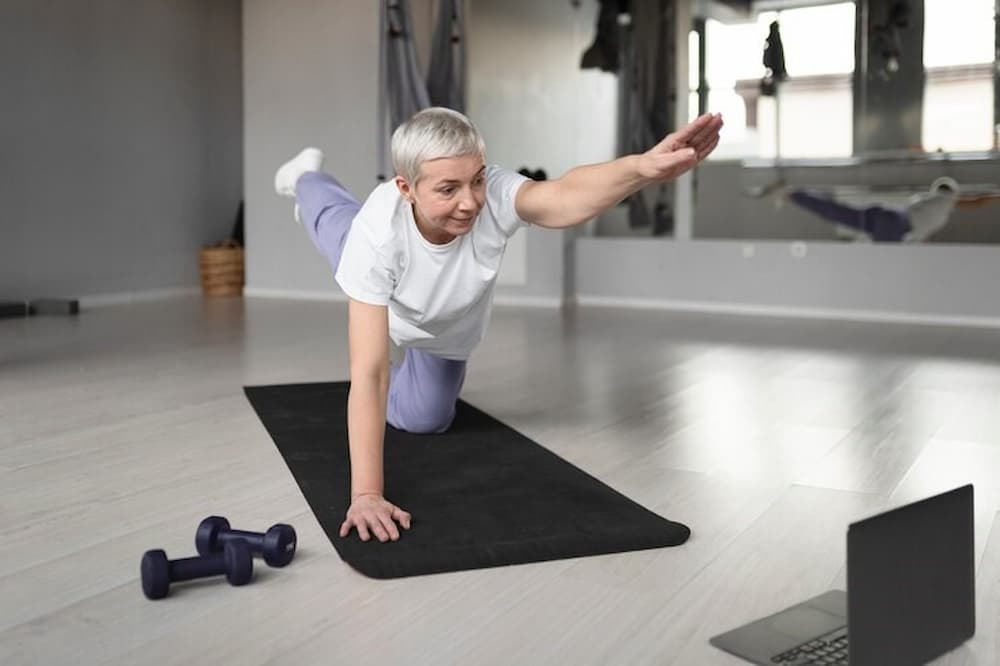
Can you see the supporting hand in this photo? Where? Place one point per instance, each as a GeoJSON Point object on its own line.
{"type": "Point", "coordinates": [373, 514]}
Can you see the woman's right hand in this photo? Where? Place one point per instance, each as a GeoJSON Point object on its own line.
{"type": "Point", "coordinates": [371, 513]}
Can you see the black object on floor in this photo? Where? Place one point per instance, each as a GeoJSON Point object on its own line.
{"type": "Point", "coordinates": [481, 494]}
{"type": "Point", "coordinates": [54, 306]}
{"type": "Point", "coordinates": [13, 309]}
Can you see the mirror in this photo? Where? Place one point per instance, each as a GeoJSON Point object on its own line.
{"type": "Point", "coordinates": [804, 159]}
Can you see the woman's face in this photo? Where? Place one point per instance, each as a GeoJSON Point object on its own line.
{"type": "Point", "coordinates": [447, 197]}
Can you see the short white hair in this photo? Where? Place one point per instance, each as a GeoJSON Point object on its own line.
{"type": "Point", "coordinates": [433, 134]}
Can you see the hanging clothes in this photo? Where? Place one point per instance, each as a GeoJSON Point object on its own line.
{"type": "Point", "coordinates": [774, 62]}
{"type": "Point", "coordinates": [603, 53]}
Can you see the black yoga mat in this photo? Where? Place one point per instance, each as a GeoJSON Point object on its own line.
{"type": "Point", "coordinates": [481, 494]}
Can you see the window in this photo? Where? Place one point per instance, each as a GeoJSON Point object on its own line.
{"type": "Point", "coordinates": [819, 55]}
{"type": "Point", "coordinates": [958, 61]}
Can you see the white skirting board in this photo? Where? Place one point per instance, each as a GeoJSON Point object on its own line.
{"type": "Point", "coordinates": [143, 296]}
{"type": "Point", "coordinates": [301, 295]}
{"type": "Point", "coordinates": [790, 313]}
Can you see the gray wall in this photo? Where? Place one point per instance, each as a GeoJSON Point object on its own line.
{"type": "Point", "coordinates": [310, 70]}
{"type": "Point", "coordinates": [121, 127]}
{"type": "Point", "coordinates": [310, 79]}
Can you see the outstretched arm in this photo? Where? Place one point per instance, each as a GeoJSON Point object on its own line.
{"type": "Point", "coordinates": [587, 191]}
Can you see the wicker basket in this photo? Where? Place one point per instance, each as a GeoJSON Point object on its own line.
{"type": "Point", "coordinates": [222, 270]}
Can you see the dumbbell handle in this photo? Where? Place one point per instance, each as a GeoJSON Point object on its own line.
{"type": "Point", "coordinates": [188, 568]}
{"type": "Point", "coordinates": [253, 539]}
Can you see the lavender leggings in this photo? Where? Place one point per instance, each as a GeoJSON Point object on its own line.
{"type": "Point", "coordinates": [423, 388]}
{"type": "Point", "coordinates": [882, 224]}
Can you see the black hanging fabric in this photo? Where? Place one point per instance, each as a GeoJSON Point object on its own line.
{"type": "Point", "coordinates": [774, 62]}
{"type": "Point", "coordinates": [603, 53]}
{"type": "Point", "coordinates": [887, 39]}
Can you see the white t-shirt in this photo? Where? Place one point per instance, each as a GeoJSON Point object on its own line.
{"type": "Point", "coordinates": [439, 296]}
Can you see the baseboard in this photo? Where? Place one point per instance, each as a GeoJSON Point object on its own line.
{"type": "Point", "coordinates": [513, 300]}
{"type": "Point", "coordinates": [124, 298]}
{"type": "Point", "coordinates": [295, 294]}
{"type": "Point", "coordinates": [54, 306]}
{"type": "Point", "coordinates": [791, 312]}
{"type": "Point", "coordinates": [101, 300]}
{"type": "Point", "coordinates": [292, 294]}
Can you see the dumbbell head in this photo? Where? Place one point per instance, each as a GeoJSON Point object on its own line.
{"type": "Point", "coordinates": [239, 562]}
{"type": "Point", "coordinates": [158, 572]}
{"type": "Point", "coordinates": [279, 545]}
{"type": "Point", "coordinates": [206, 539]}
{"type": "Point", "coordinates": [155, 569]}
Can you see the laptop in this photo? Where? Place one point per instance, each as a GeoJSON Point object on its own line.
{"type": "Point", "coordinates": [910, 594]}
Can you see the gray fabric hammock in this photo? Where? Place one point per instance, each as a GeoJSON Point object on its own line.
{"type": "Point", "coordinates": [446, 77]}
{"type": "Point", "coordinates": [642, 31]}
{"type": "Point", "coordinates": [402, 90]}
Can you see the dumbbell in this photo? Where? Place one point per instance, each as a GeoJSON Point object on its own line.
{"type": "Point", "coordinates": [235, 561]}
{"type": "Point", "coordinates": [277, 545]}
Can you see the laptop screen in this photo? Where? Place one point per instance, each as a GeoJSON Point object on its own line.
{"type": "Point", "coordinates": [911, 581]}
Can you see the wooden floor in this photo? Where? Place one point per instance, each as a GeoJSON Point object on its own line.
{"type": "Point", "coordinates": [122, 428]}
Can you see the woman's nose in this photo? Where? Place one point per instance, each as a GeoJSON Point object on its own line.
{"type": "Point", "coordinates": [467, 202]}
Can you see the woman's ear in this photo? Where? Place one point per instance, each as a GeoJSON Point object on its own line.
{"type": "Point", "coordinates": [404, 188]}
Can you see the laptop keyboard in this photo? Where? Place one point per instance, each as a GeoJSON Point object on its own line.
{"type": "Point", "coordinates": [829, 649]}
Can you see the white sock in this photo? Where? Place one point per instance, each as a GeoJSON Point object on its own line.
{"type": "Point", "coordinates": [929, 213]}
{"type": "Point", "coordinates": [288, 174]}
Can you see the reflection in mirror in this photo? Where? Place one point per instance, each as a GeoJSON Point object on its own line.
{"type": "Point", "coordinates": [920, 106]}
{"type": "Point", "coordinates": [958, 93]}
{"type": "Point", "coordinates": [818, 45]}
{"type": "Point", "coordinates": [858, 154]}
